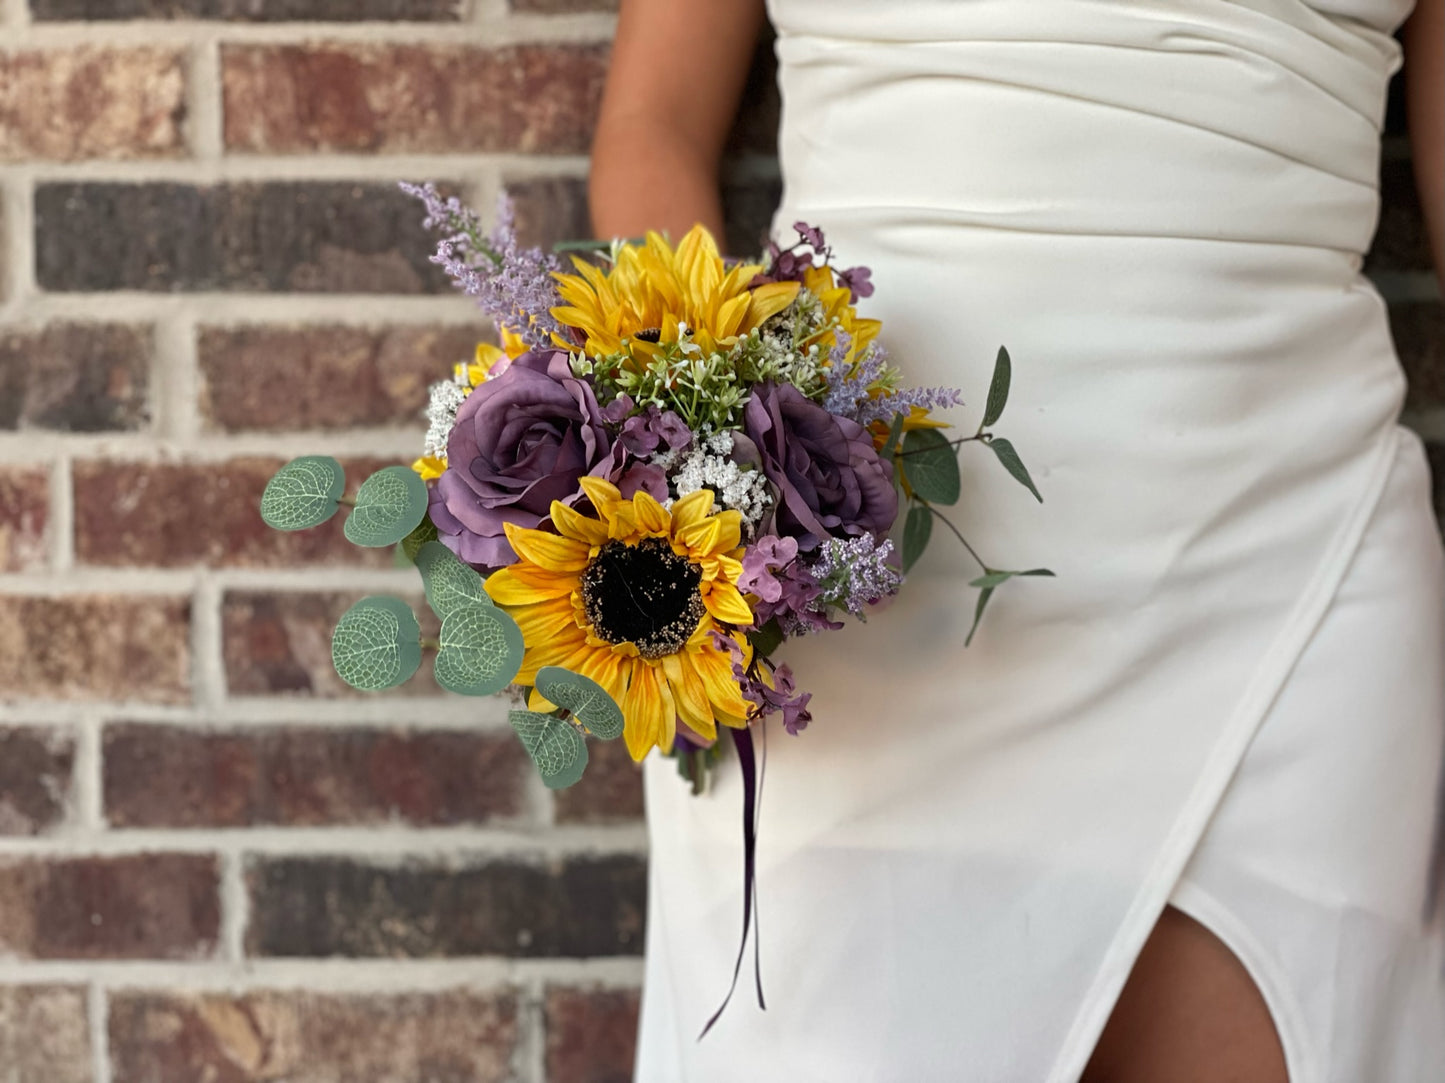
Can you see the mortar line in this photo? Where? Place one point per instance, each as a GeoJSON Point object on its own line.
{"type": "Point", "coordinates": [532, 1031]}
{"type": "Point", "coordinates": [300, 579]}
{"type": "Point", "coordinates": [14, 14]}
{"type": "Point", "coordinates": [415, 714]}
{"type": "Point", "coordinates": [17, 271]}
{"type": "Point", "coordinates": [89, 784]}
{"type": "Point", "coordinates": [98, 1010]}
{"type": "Point", "coordinates": [174, 380]}
{"type": "Point", "coordinates": [204, 109]}
{"type": "Point", "coordinates": [361, 310]}
{"type": "Point", "coordinates": [208, 667]}
{"type": "Point", "coordinates": [235, 908]}
{"type": "Point", "coordinates": [61, 526]}
{"type": "Point", "coordinates": [302, 166]}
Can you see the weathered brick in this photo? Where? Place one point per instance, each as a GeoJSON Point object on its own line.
{"type": "Point", "coordinates": [68, 104]}
{"type": "Point", "coordinates": [44, 1034]}
{"type": "Point", "coordinates": [452, 1036]}
{"type": "Point", "coordinates": [144, 906]}
{"type": "Point", "coordinates": [610, 790]}
{"type": "Point", "coordinates": [550, 209]}
{"type": "Point", "coordinates": [317, 907]}
{"type": "Point", "coordinates": [591, 1035]}
{"type": "Point", "coordinates": [1419, 332]}
{"type": "Point", "coordinates": [299, 237]}
{"type": "Point", "coordinates": [75, 377]}
{"type": "Point", "coordinates": [286, 378]}
{"type": "Point", "coordinates": [1401, 242]}
{"type": "Point", "coordinates": [183, 514]}
{"type": "Point", "coordinates": [95, 647]}
{"type": "Point", "coordinates": [35, 773]}
{"type": "Point", "coordinates": [24, 515]}
{"type": "Point", "coordinates": [536, 99]}
{"type": "Point", "coordinates": [250, 11]}
{"type": "Point", "coordinates": [159, 776]}
{"type": "Point", "coordinates": [561, 7]}
{"type": "Point", "coordinates": [277, 642]}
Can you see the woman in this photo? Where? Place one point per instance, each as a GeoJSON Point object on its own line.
{"type": "Point", "coordinates": [1171, 816]}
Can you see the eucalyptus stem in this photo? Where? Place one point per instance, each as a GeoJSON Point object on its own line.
{"type": "Point", "coordinates": [942, 519]}
{"type": "Point", "coordinates": [346, 501]}
{"type": "Point", "coordinates": [980, 435]}
{"type": "Point", "coordinates": [431, 643]}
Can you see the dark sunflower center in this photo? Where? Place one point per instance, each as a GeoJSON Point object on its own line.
{"type": "Point", "coordinates": [643, 594]}
{"type": "Point", "coordinates": [651, 334]}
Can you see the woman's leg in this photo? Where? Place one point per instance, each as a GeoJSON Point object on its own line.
{"type": "Point", "coordinates": [1189, 1013]}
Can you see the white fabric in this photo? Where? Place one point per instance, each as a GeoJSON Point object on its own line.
{"type": "Point", "coordinates": [1233, 695]}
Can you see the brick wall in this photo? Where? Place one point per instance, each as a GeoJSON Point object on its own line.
{"type": "Point", "coordinates": [215, 861]}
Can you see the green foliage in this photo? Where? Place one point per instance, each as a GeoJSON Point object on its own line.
{"type": "Point", "coordinates": [766, 638]}
{"type": "Point", "coordinates": [426, 531]}
{"type": "Point", "coordinates": [588, 701]}
{"type": "Point", "coordinates": [303, 493]}
{"type": "Point", "coordinates": [983, 597]}
{"type": "Point", "coordinates": [450, 584]}
{"type": "Point", "coordinates": [994, 578]}
{"type": "Point", "coordinates": [1014, 465]}
{"type": "Point", "coordinates": [931, 466]}
{"type": "Point", "coordinates": [917, 529]}
{"type": "Point", "coordinates": [389, 506]}
{"type": "Point", "coordinates": [557, 747]}
{"type": "Point", "coordinates": [481, 650]}
{"type": "Point", "coordinates": [377, 643]}
{"type": "Point", "coordinates": [997, 389]}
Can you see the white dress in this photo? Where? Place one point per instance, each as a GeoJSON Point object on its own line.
{"type": "Point", "coordinates": [1232, 697]}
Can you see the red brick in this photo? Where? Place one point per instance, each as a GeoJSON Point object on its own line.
{"type": "Point", "coordinates": [35, 774]}
{"type": "Point", "coordinates": [453, 1036]}
{"type": "Point", "coordinates": [145, 906]}
{"type": "Point", "coordinates": [111, 647]}
{"type": "Point", "coordinates": [610, 790]}
{"type": "Point", "coordinates": [1419, 332]}
{"type": "Point", "coordinates": [44, 1034]}
{"type": "Point", "coordinates": [159, 776]}
{"type": "Point", "coordinates": [287, 378]}
{"type": "Point", "coordinates": [535, 99]}
{"type": "Point", "coordinates": [69, 104]}
{"type": "Point", "coordinates": [75, 377]}
{"type": "Point", "coordinates": [560, 7]}
{"type": "Point", "coordinates": [24, 515]}
{"type": "Point", "coordinates": [250, 11]}
{"type": "Point", "coordinates": [281, 642]}
{"type": "Point", "coordinates": [591, 1035]}
{"type": "Point", "coordinates": [550, 209]}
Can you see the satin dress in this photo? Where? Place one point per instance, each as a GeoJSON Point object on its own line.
{"type": "Point", "coordinates": [1232, 697]}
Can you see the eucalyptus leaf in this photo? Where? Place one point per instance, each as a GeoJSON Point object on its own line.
{"type": "Point", "coordinates": [588, 701]}
{"type": "Point", "coordinates": [917, 529]}
{"type": "Point", "coordinates": [557, 748]}
{"type": "Point", "coordinates": [890, 446]}
{"type": "Point", "coordinates": [983, 597]}
{"type": "Point", "coordinates": [766, 638]}
{"type": "Point", "coordinates": [931, 466]}
{"type": "Point", "coordinates": [303, 493]}
{"type": "Point", "coordinates": [377, 643]}
{"type": "Point", "coordinates": [1013, 464]}
{"type": "Point", "coordinates": [425, 531]}
{"type": "Point", "coordinates": [389, 506]}
{"type": "Point", "coordinates": [481, 650]}
{"type": "Point", "coordinates": [998, 388]}
{"type": "Point", "coordinates": [450, 584]}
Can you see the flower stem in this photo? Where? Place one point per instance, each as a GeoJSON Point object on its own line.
{"type": "Point", "coordinates": [346, 501]}
{"type": "Point", "coordinates": [430, 643]}
{"type": "Point", "coordinates": [952, 443]}
{"type": "Point", "coordinates": [942, 519]}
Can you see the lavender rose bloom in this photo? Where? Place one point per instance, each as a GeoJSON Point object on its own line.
{"type": "Point", "coordinates": [521, 441]}
{"type": "Point", "coordinates": [830, 479]}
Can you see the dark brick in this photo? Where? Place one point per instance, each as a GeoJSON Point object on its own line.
{"type": "Point", "coordinates": [610, 790]}
{"type": "Point", "coordinates": [302, 237]}
{"type": "Point", "coordinates": [250, 11]}
{"type": "Point", "coordinates": [183, 514]}
{"type": "Point", "coordinates": [591, 1035]}
{"type": "Point", "coordinates": [75, 646]}
{"type": "Point", "coordinates": [24, 517]}
{"type": "Point", "coordinates": [318, 907]}
{"type": "Point", "coordinates": [288, 378]}
{"type": "Point", "coordinates": [561, 7]}
{"type": "Point", "coordinates": [146, 906]}
{"type": "Point", "coordinates": [277, 642]}
{"type": "Point", "coordinates": [1419, 332]}
{"type": "Point", "coordinates": [75, 377]}
{"type": "Point", "coordinates": [550, 209]}
{"type": "Point", "coordinates": [453, 1036]}
{"type": "Point", "coordinates": [748, 208]}
{"type": "Point", "coordinates": [44, 1034]}
{"type": "Point", "coordinates": [1401, 243]}
{"type": "Point", "coordinates": [35, 767]}
{"type": "Point", "coordinates": [91, 102]}
{"type": "Point", "coordinates": [159, 776]}
{"type": "Point", "coordinates": [534, 99]}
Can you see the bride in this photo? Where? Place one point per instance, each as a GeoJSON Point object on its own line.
{"type": "Point", "coordinates": [1171, 816]}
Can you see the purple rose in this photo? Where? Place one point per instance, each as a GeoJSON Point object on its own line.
{"type": "Point", "coordinates": [830, 479]}
{"type": "Point", "coordinates": [521, 441]}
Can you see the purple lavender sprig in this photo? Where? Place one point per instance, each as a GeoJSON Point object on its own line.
{"type": "Point", "coordinates": [854, 573]}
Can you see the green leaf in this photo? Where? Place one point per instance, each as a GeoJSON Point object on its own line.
{"type": "Point", "coordinates": [766, 638]}
{"type": "Point", "coordinates": [389, 505]}
{"type": "Point", "coordinates": [557, 748]}
{"type": "Point", "coordinates": [411, 545]}
{"type": "Point", "coordinates": [377, 643]}
{"type": "Point", "coordinates": [588, 701]}
{"type": "Point", "coordinates": [450, 584]}
{"type": "Point", "coordinates": [997, 388]}
{"type": "Point", "coordinates": [931, 466]}
{"type": "Point", "coordinates": [303, 493]}
{"type": "Point", "coordinates": [993, 579]}
{"type": "Point", "coordinates": [983, 597]}
{"type": "Point", "coordinates": [917, 529]}
{"type": "Point", "coordinates": [1013, 464]}
{"type": "Point", "coordinates": [890, 446]}
{"type": "Point", "coordinates": [481, 650]}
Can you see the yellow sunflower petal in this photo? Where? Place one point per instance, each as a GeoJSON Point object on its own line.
{"type": "Point", "coordinates": [689, 693]}
{"type": "Point", "coordinates": [603, 494]}
{"type": "Point", "coordinates": [650, 712]}
{"type": "Point", "coordinates": [768, 300]}
{"type": "Point", "coordinates": [546, 550]}
{"type": "Point", "coordinates": [725, 603]}
{"type": "Point", "coordinates": [571, 523]}
{"type": "Point", "coordinates": [691, 509]}
{"type": "Point", "coordinates": [715, 668]}
{"type": "Point", "coordinates": [544, 620]}
{"type": "Point", "coordinates": [651, 517]}
{"type": "Point", "coordinates": [522, 584]}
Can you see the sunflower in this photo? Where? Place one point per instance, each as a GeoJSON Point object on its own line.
{"type": "Point", "coordinates": [651, 289]}
{"type": "Point", "coordinates": [838, 314]}
{"type": "Point", "coordinates": [634, 599]}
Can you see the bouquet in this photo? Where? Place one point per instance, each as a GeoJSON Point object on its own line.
{"type": "Point", "coordinates": [672, 463]}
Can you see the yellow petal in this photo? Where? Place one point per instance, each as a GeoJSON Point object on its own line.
{"type": "Point", "coordinates": [725, 603]}
{"type": "Point", "coordinates": [430, 466]}
{"type": "Point", "coordinates": [651, 717]}
{"type": "Point", "coordinates": [525, 585]}
{"type": "Point", "coordinates": [691, 509]}
{"type": "Point", "coordinates": [602, 493]}
{"type": "Point", "coordinates": [688, 692]}
{"type": "Point", "coordinates": [548, 551]}
{"type": "Point", "coordinates": [768, 300]}
{"type": "Point", "coordinates": [571, 523]}
{"type": "Point", "coordinates": [651, 517]}
{"type": "Point", "coordinates": [715, 667]}
{"type": "Point", "coordinates": [545, 620]}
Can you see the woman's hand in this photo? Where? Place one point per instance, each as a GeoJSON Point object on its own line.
{"type": "Point", "coordinates": [1424, 39]}
{"type": "Point", "coordinates": [677, 73]}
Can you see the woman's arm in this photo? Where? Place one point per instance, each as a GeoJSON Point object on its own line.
{"type": "Point", "coordinates": [1424, 39]}
{"type": "Point", "coordinates": [677, 72]}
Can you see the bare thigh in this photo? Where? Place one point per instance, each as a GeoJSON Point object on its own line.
{"type": "Point", "coordinates": [1189, 1013]}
